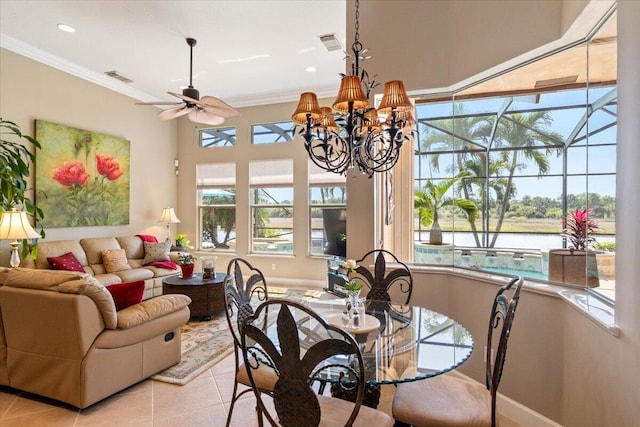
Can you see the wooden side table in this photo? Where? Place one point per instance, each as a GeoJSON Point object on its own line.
{"type": "Point", "coordinates": [207, 295]}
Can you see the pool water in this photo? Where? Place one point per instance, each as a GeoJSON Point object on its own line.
{"type": "Point", "coordinates": [514, 272]}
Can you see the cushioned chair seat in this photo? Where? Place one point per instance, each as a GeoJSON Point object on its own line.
{"type": "Point", "coordinates": [439, 401]}
{"type": "Point", "coordinates": [335, 411]}
{"type": "Point", "coordinates": [264, 377]}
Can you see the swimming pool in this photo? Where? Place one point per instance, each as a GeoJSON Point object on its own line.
{"type": "Point", "coordinates": [514, 272]}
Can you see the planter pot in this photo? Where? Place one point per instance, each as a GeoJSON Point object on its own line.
{"type": "Point", "coordinates": [187, 270]}
{"type": "Point", "coordinates": [435, 235]}
{"type": "Point", "coordinates": [577, 267]}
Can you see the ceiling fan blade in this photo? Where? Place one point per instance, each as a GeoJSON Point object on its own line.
{"type": "Point", "coordinates": [200, 116]}
{"type": "Point", "coordinates": [172, 113]}
{"type": "Point", "coordinates": [217, 106]}
{"type": "Point", "coordinates": [159, 103]}
{"type": "Point", "coordinates": [185, 98]}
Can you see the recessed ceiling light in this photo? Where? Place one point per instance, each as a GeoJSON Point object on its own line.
{"type": "Point", "coordinates": [66, 28]}
{"type": "Point", "coordinates": [310, 69]}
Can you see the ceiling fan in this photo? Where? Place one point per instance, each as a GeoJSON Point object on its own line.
{"type": "Point", "coordinates": [208, 109]}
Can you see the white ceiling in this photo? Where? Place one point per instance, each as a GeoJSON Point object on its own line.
{"type": "Point", "coordinates": [248, 52]}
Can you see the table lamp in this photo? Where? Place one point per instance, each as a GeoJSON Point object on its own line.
{"type": "Point", "coordinates": [15, 226]}
{"type": "Point", "coordinates": [169, 217]}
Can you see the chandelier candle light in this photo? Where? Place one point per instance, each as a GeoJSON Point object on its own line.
{"type": "Point", "coordinates": [356, 137]}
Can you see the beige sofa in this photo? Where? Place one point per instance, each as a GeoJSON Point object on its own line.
{"type": "Point", "coordinates": [89, 253]}
{"type": "Point", "coordinates": [61, 336]}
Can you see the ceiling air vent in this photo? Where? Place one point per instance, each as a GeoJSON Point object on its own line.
{"type": "Point", "coordinates": [116, 75]}
{"type": "Point", "coordinates": [331, 42]}
{"type": "Point", "coordinates": [556, 82]}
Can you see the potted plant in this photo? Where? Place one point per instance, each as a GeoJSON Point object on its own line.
{"type": "Point", "coordinates": [182, 243]}
{"type": "Point", "coordinates": [14, 175]}
{"type": "Point", "coordinates": [186, 261]}
{"type": "Point", "coordinates": [431, 198]}
{"type": "Point", "coordinates": [576, 264]}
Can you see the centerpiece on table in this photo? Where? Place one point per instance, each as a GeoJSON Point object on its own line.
{"type": "Point", "coordinates": [352, 288]}
{"type": "Point", "coordinates": [576, 264]}
{"type": "Point", "coordinates": [186, 262]}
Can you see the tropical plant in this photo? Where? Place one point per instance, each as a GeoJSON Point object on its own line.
{"type": "Point", "coordinates": [14, 174]}
{"type": "Point", "coordinates": [578, 228]}
{"type": "Point", "coordinates": [182, 241]}
{"type": "Point", "coordinates": [432, 197]}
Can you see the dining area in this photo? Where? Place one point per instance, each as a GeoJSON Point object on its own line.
{"type": "Point", "coordinates": [325, 360]}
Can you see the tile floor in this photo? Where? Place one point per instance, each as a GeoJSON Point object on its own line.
{"type": "Point", "coordinates": [202, 402]}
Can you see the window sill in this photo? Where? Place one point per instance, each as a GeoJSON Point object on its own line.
{"type": "Point", "coordinates": [600, 312]}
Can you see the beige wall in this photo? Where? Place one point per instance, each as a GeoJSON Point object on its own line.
{"type": "Point", "coordinates": [30, 90]}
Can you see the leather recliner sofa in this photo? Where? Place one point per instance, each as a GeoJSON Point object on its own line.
{"type": "Point", "coordinates": [61, 336]}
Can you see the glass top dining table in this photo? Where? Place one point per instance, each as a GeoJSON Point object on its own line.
{"type": "Point", "coordinates": [399, 343]}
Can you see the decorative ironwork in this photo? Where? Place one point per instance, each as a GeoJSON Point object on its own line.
{"type": "Point", "coordinates": [356, 137]}
{"type": "Point", "coordinates": [379, 283]}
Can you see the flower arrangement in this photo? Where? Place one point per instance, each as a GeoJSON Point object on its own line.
{"type": "Point", "coordinates": [350, 265]}
{"type": "Point", "coordinates": [186, 258]}
{"type": "Point", "coordinates": [578, 228]}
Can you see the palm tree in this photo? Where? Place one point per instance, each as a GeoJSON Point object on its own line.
{"type": "Point", "coordinates": [432, 197]}
{"type": "Point", "coordinates": [533, 142]}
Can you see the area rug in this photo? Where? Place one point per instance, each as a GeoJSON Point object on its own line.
{"type": "Point", "coordinates": [205, 343]}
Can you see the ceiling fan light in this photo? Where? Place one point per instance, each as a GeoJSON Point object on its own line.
{"type": "Point", "coordinates": [350, 92]}
{"type": "Point", "coordinates": [394, 97]}
{"type": "Point", "coordinates": [200, 116]}
{"type": "Point", "coordinates": [308, 104]}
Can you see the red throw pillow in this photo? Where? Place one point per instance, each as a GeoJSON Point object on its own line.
{"type": "Point", "coordinates": [126, 294]}
{"type": "Point", "coordinates": [67, 262]}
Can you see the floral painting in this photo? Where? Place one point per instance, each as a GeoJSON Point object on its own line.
{"type": "Point", "coordinates": [82, 177]}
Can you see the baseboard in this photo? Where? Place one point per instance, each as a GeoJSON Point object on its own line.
{"type": "Point", "coordinates": [517, 412]}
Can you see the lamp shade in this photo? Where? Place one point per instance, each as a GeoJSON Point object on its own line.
{"type": "Point", "coordinates": [308, 104]}
{"type": "Point", "coordinates": [15, 225]}
{"type": "Point", "coordinates": [168, 216]}
{"type": "Point", "coordinates": [395, 96]}
{"type": "Point", "coordinates": [327, 121]}
{"type": "Point", "coordinates": [350, 91]}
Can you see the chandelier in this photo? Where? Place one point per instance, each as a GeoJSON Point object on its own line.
{"type": "Point", "coordinates": [354, 136]}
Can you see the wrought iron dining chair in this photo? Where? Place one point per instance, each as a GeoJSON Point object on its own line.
{"type": "Point", "coordinates": [447, 400]}
{"type": "Point", "coordinates": [241, 296]}
{"type": "Point", "coordinates": [334, 351]}
{"type": "Point", "coordinates": [381, 285]}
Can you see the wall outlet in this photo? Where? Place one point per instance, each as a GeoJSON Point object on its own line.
{"type": "Point", "coordinates": [273, 266]}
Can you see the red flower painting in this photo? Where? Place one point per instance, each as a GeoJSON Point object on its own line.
{"type": "Point", "coordinates": [108, 167]}
{"type": "Point", "coordinates": [72, 173]}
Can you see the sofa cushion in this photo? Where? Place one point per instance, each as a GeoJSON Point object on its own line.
{"type": "Point", "coordinates": [89, 286]}
{"type": "Point", "coordinates": [56, 248]}
{"type": "Point", "coordinates": [156, 251]}
{"type": "Point", "coordinates": [115, 260]}
{"type": "Point", "coordinates": [67, 262]}
{"type": "Point", "coordinates": [126, 294]}
{"type": "Point", "coordinates": [93, 247]}
{"type": "Point", "coordinates": [40, 279]}
{"type": "Point", "coordinates": [134, 274]}
{"type": "Point", "coordinates": [132, 246]}
{"type": "Point", "coordinates": [151, 309]}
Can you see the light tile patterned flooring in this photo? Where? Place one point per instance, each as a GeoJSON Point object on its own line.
{"type": "Point", "coordinates": [202, 402]}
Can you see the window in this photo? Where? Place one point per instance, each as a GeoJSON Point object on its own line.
{"type": "Point", "coordinates": [216, 186]}
{"type": "Point", "coordinates": [327, 212]}
{"type": "Point", "coordinates": [272, 132]}
{"type": "Point", "coordinates": [527, 152]}
{"type": "Point", "coordinates": [217, 137]}
{"type": "Point", "coordinates": [271, 184]}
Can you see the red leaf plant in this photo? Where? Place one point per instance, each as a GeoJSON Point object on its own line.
{"type": "Point", "coordinates": [72, 173]}
{"type": "Point", "coordinates": [108, 167]}
{"type": "Point", "coordinates": [578, 228]}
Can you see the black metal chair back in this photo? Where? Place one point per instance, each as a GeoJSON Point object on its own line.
{"type": "Point", "coordinates": [502, 314]}
{"type": "Point", "coordinates": [379, 283]}
{"type": "Point", "coordinates": [239, 294]}
{"type": "Point", "coordinates": [295, 402]}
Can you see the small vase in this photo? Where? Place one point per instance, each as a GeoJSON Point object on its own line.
{"type": "Point", "coordinates": [353, 300]}
{"type": "Point", "coordinates": [187, 270]}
